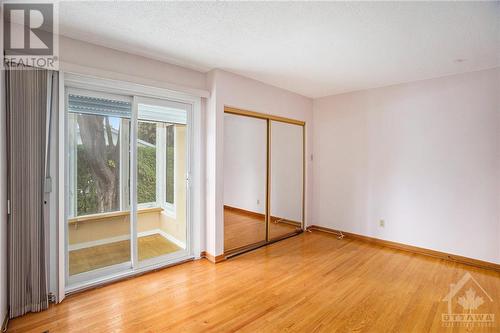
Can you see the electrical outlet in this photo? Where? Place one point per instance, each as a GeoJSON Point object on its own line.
{"type": "Point", "coordinates": [381, 223]}
{"type": "Point", "coordinates": [258, 202]}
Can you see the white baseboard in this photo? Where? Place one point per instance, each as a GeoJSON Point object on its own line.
{"type": "Point", "coordinates": [109, 240]}
{"type": "Point", "coordinates": [171, 238]}
{"type": "Point", "coordinates": [149, 233]}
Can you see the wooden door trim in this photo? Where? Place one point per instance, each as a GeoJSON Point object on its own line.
{"type": "Point", "coordinates": [253, 114]}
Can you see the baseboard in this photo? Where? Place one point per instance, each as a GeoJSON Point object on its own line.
{"type": "Point", "coordinates": [413, 249]}
{"type": "Point", "coordinates": [110, 240]}
{"type": "Point", "coordinates": [212, 258]}
{"type": "Point", "coordinates": [171, 238]}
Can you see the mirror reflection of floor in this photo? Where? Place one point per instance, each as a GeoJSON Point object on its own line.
{"type": "Point", "coordinates": [280, 227]}
{"type": "Point", "coordinates": [243, 228]}
{"type": "Point", "coordinates": [87, 259]}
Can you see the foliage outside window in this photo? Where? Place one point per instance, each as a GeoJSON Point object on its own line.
{"type": "Point", "coordinates": [146, 162]}
{"type": "Point", "coordinates": [170, 165]}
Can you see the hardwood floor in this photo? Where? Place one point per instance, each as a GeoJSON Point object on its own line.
{"type": "Point", "coordinates": [242, 228]}
{"type": "Point", "coordinates": [95, 257]}
{"type": "Point", "coordinates": [313, 282]}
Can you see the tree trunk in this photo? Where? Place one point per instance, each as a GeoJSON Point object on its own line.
{"type": "Point", "coordinates": [102, 158]}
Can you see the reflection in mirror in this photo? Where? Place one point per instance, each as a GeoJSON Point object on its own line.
{"type": "Point", "coordinates": [286, 188]}
{"type": "Point", "coordinates": [245, 160]}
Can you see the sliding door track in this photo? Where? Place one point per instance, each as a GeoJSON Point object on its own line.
{"type": "Point", "coordinates": [247, 248]}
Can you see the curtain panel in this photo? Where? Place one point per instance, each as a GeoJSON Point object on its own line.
{"type": "Point", "coordinates": [30, 100]}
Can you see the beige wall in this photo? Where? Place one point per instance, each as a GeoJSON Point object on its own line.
{"type": "Point", "coordinates": [89, 231]}
{"type": "Point", "coordinates": [177, 227]}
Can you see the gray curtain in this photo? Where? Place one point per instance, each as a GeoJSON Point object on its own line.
{"type": "Point", "coordinates": [30, 100]}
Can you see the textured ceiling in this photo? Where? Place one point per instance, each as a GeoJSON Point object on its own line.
{"type": "Point", "coordinates": [315, 49]}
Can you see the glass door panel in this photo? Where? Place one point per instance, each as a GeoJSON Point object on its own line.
{"type": "Point", "coordinates": [245, 181]}
{"type": "Point", "coordinates": [161, 180]}
{"type": "Point", "coordinates": [127, 168]}
{"type": "Point", "coordinates": [287, 179]}
{"type": "Point", "coordinates": [98, 227]}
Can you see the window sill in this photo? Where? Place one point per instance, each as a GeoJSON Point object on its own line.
{"type": "Point", "coordinates": [97, 217]}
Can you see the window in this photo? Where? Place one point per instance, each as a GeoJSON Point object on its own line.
{"type": "Point", "coordinates": [146, 163]}
{"type": "Point", "coordinates": [167, 116]}
{"type": "Point", "coordinates": [99, 154]}
{"type": "Point", "coordinates": [170, 165]}
{"type": "Point", "coordinates": [156, 165]}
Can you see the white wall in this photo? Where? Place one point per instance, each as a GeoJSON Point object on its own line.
{"type": "Point", "coordinates": [286, 171]}
{"type": "Point", "coordinates": [229, 89]}
{"type": "Point", "coordinates": [211, 159]}
{"type": "Point", "coordinates": [423, 156]}
{"type": "Point", "coordinates": [132, 66]}
{"type": "Point", "coordinates": [3, 200]}
{"type": "Point", "coordinates": [245, 166]}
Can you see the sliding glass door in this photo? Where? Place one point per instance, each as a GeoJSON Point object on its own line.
{"type": "Point", "coordinates": [98, 228]}
{"type": "Point", "coordinates": [127, 165]}
{"type": "Point", "coordinates": [161, 179]}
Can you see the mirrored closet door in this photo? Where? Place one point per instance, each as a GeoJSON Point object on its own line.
{"type": "Point", "coordinates": [263, 179]}
{"type": "Point", "coordinates": [286, 180]}
{"type": "Point", "coordinates": [245, 181]}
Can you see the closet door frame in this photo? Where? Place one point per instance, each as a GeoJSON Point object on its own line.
{"type": "Point", "coordinates": [269, 118]}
